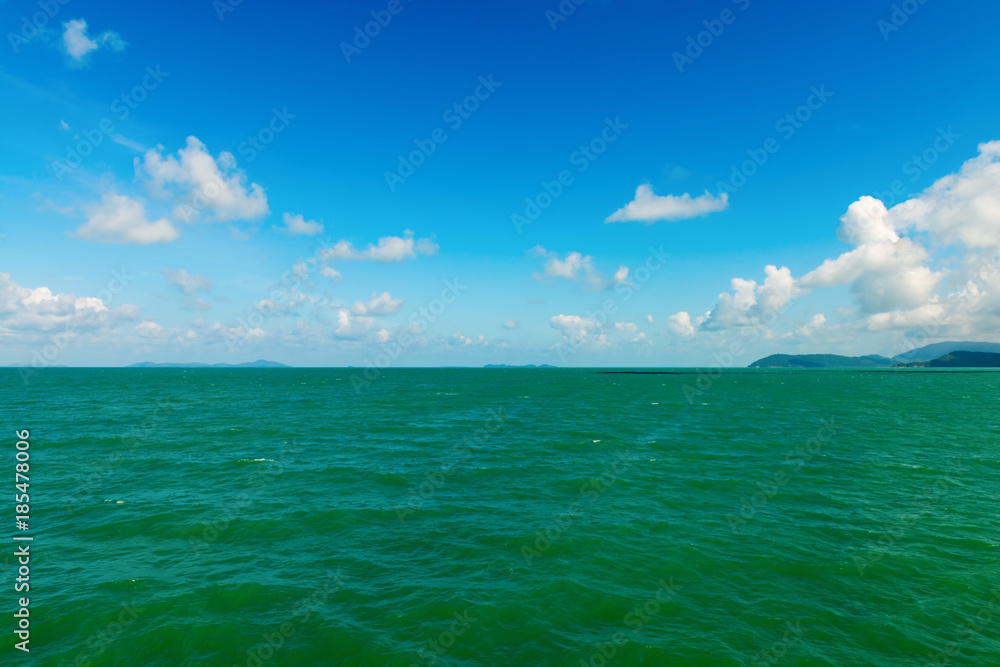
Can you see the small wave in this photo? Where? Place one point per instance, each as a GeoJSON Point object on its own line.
{"type": "Point", "coordinates": [252, 460]}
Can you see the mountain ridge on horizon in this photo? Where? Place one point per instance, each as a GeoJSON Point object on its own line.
{"type": "Point", "coordinates": [927, 353]}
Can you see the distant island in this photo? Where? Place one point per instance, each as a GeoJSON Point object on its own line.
{"type": "Point", "coordinates": [929, 352]}
{"type": "Point", "coordinates": [953, 354]}
{"type": "Point", "coordinates": [260, 363]}
{"type": "Point", "coordinates": [822, 361]}
{"type": "Point", "coordinates": [959, 359]}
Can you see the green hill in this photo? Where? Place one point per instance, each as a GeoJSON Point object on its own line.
{"type": "Point", "coordinates": [821, 361]}
{"type": "Point", "coordinates": [959, 359]}
{"type": "Point", "coordinates": [937, 350]}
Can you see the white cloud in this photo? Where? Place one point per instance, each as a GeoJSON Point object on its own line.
{"type": "Point", "coordinates": [330, 272]}
{"type": "Point", "coordinates": [299, 226]}
{"type": "Point", "coordinates": [575, 266]}
{"type": "Point", "coordinates": [681, 324]}
{"type": "Point", "coordinates": [78, 43]}
{"type": "Point", "coordinates": [382, 304]}
{"type": "Point", "coordinates": [388, 249]}
{"type": "Point", "coordinates": [926, 267]}
{"type": "Point", "coordinates": [461, 340]}
{"type": "Point", "coordinates": [959, 209]}
{"type": "Point", "coordinates": [121, 219]}
{"type": "Point", "coordinates": [581, 332]}
{"type": "Point", "coordinates": [814, 325]}
{"type": "Point", "coordinates": [199, 183]}
{"type": "Point", "coordinates": [352, 326]}
{"type": "Point", "coordinates": [188, 283]}
{"type": "Point", "coordinates": [750, 304]}
{"type": "Point", "coordinates": [148, 329]}
{"type": "Point", "coordinates": [886, 272]}
{"type": "Point", "coordinates": [509, 324]}
{"type": "Point", "coordinates": [38, 309]}
{"type": "Point", "coordinates": [621, 276]}
{"type": "Point", "coordinates": [648, 207]}
{"type": "Point", "coordinates": [571, 267]}
{"type": "Point", "coordinates": [64, 125]}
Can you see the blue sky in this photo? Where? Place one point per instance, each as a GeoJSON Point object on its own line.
{"type": "Point", "coordinates": [248, 176]}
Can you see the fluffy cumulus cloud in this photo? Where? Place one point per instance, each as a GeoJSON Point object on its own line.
{"type": "Point", "coordinates": [680, 324]}
{"type": "Point", "coordinates": [32, 310]}
{"type": "Point", "coordinates": [928, 266]}
{"type": "Point", "coordinates": [379, 304]}
{"type": "Point", "coordinates": [78, 43]}
{"type": "Point", "coordinates": [886, 272]}
{"type": "Point", "coordinates": [575, 266]}
{"type": "Point", "coordinates": [297, 225]}
{"type": "Point", "coordinates": [581, 332]}
{"type": "Point", "coordinates": [200, 185]}
{"type": "Point", "coordinates": [751, 304]}
{"type": "Point", "coordinates": [960, 209]}
{"type": "Point", "coordinates": [388, 249]}
{"type": "Point", "coordinates": [192, 184]}
{"type": "Point", "coordinates": [928, 262]}
{"type": "Point", "coordinates": [648, 207]}
{"type": "Point", "coordinates": [122, 219]}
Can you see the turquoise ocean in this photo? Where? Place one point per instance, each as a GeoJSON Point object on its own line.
{"type": "Point", "coordinates": [507, 517]}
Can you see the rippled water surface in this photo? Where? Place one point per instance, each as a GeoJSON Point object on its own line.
{"type": "Point", "coordinates": [509, 517]}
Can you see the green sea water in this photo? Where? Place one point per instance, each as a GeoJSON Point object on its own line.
{"type": "Point", "coordinates": [507, 517]}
